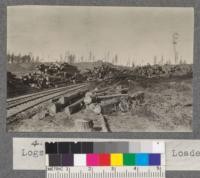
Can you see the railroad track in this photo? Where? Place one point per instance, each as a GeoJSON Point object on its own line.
{"type": "Point", "coordinates": [13, 102]}
{"type": "Point", "coordinates": [23, 103]}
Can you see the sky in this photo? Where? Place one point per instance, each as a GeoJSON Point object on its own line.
{"type": "Point", "coordinates": [135, 34]}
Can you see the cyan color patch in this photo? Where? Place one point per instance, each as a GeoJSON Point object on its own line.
{"type": "Point", "coordinates": [142, 159]}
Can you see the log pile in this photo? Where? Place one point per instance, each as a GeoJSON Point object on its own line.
{"type": "Point", "coordinates": [99, 102]}
{"type": "Point", "coordinates": [105, 103]}
{"type": "Point", "coordinates": [69, 103]}
{"type": "Point", "coordinates": [107, 71]}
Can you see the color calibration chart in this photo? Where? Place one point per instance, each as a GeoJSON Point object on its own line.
{"type": "Point", "coordinates": [105, 159]}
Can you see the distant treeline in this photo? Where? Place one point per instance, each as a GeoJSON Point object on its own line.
{"type": "Point", "coordinates": [27, 58]}
{"type": "Point", "coordinates": [72, 58]}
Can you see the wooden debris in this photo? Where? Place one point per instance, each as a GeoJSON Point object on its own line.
{"type": "Point", "coordinates": [124, 91]}
{"type": "Point", "coordinates": [97, 125]}
{"type": "Point", "coordinates": [124, 105]}
{"type": "Point", "coordinates": [40, 115]}
{"type": "Point", "coordinates": [105, 124]}
{"type": "Point", "coordinates": [139, 96]}
{"type": "Point", "coordinates": [119, 88]}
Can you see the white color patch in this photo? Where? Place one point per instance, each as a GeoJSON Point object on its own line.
{"type": "Point", "coordinates": [80, 160]}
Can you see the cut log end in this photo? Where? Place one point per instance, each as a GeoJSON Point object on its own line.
{"type": "Point", "coordinates": [88, 100]}
{"type": "Point", "coordinates": [54, 108]}
{"type": "Point", "coordinates": [83, 125]}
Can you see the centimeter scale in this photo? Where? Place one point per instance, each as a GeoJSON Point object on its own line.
{"type": "Point", "coordinates": [145, 159]}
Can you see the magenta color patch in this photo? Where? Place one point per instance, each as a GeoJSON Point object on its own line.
{"type": "Point", "coordinates": [92, 160]}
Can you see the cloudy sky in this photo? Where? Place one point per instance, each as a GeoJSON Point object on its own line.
{"type": "Point", "coordinates": [133, 33]}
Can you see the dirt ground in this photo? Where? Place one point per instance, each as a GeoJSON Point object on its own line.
{"type": "Point", "coordinates": [167, 107]}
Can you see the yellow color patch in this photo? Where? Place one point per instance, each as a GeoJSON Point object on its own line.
{"type": "Point", "coordinates": [116, 159]}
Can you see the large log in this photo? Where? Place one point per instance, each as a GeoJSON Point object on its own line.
{"type": "Point", "coordinates": [109, 106]}
{"type": "Point", "coordinates": [75, 107]}
{"type": "Point", "coordinates": [54, 108]}
{"type": "Point", "coordinates": [101, 90]}
{"type": "Point", "coordinates": [90, 99]}
{"type": "Point", "coordinates": [96, 108]}
{"type": "Point", "coordinates": [112, 96]}
{"type": "Point", "coordinates": [69, 99]}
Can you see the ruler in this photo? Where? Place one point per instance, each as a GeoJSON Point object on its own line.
{"type": "Point", "coordinates": [105, 172]}
{"type": "Point", "coordinates": [105, 159]}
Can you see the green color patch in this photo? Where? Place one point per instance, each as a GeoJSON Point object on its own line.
{"type": "Point", "coordinates": [129, 159]}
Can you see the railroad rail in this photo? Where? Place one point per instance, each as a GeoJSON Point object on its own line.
{"type": "Point", "coordinates": [23, 103]}
{"type": "Point", "coordinates": [13, 102]}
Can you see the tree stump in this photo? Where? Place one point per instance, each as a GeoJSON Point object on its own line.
{"type": "Point", "coordinates": [83, 125]}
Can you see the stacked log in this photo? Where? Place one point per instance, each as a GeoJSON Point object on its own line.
{"type": "Point", "coordinates": [90, 98]}
{"type": "Point", "coordinates": [77, 106]}
{"type": "Point", "coordinates": [109, 106]}
{"type": "Point", "coordinates": [69, 99]}
{"type": "Point", "coordinates": [54, 108]}
{"type": "Point", "coordinates": [106, 104]}
{"type": "Point", "coordinates": [73, 101]}
{"type": "Point", "coordinates": [107, 97]}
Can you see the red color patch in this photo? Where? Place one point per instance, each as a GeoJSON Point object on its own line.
{"type": "Point", "coordinates": [104, 159]}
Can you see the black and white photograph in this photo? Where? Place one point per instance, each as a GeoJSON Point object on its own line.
{"type": "Point", "coordinates": [99, 69]}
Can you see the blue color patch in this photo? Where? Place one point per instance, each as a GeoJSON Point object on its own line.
{"type": "Point", "coordinates": [142, 159]}
{"type": "Point", "coordinates": [154, 159]}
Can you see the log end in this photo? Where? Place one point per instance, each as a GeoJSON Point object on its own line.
{"type": "Point", "coordinates": [83, 125]}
